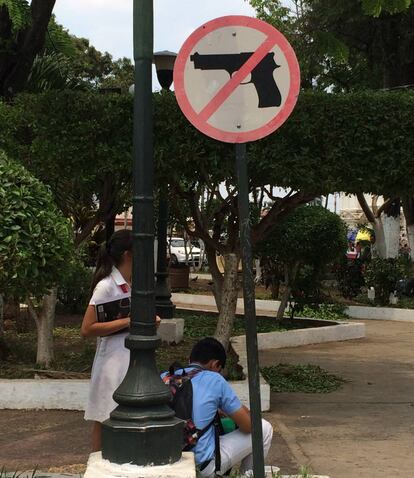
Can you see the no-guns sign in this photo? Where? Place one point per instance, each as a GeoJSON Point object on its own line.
{"type": "Point", "coordinates": [236, 79]}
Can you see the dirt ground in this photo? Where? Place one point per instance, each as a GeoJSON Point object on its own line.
{"type": "Point", "coordinates": [367, 427]}
{"type": "Point", "coordinates": [58, 441]}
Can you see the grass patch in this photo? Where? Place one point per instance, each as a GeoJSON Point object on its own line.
{"type": "Point", "coordinates": [324, 312]}
{"type": "Point", "coordinates": [203, 324]}
{"type": "Point", "coordinates": [301, 378]}
{"type": "Point", "coordinates": [74, 354]}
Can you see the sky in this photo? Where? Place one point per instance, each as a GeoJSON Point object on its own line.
{"type": "Point", "coordinates": [108, 23]}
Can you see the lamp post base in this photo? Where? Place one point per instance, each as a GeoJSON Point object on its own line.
{"type": "Point", "coordinates": [98, 467]}
{"type": "Point", "coordinates": [153, 442]}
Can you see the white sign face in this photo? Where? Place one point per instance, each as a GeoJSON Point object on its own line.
{"type": "Point", "coordinates": [236, 79]}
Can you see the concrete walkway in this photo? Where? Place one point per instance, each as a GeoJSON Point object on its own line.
{"type": "Point", "coordinates": [366, 429]}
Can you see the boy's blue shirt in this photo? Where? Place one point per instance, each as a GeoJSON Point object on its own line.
{"type": "Point", "coordinates": [211, 392]}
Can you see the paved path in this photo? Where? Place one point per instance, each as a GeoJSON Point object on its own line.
{"type": "Point", "coordinates": [366, 429]}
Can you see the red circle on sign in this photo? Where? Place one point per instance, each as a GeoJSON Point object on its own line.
{"type": "Point", "coordinates": [198, 119]}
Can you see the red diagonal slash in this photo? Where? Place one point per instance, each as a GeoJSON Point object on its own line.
{"type": "Point", "coordinates": [213, 105]}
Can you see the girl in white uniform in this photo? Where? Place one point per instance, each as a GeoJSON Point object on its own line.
{"type": "Point", "coordinates": [111, 281]}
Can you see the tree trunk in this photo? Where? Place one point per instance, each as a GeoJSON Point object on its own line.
{"type": "Point", "coordinates": [408, 207]}
{"type": "Point", "coordinates": [4, 351]}
{"type": "Point", "coordinates": [258, 276]}
{"type": "Point", "coordinates": [391, 219]}
{"type": "Point", "coordinates": [1, 315]}
{"type": "Point", "coordinates": [45, 319]}
{"type": "Point", "coordinates": [275, 288]}
{"type": "Point", "coordinates": [215, 274]}
{"type": "Point", "coordinates": [290, 274]}
{"type": "Point", "coordinates": [228, 304]}
{"type": "Point", "coordinates": [410, 236]}
{"type": "Point", "coordinates": [380, 246]}
{"type": "Point", "coordinates": [110, 227]}
{"type": "Point", "coordinates": [391, 227]}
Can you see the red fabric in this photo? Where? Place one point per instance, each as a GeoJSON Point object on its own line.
{"type": "Point", "coordinates": [124, 288]}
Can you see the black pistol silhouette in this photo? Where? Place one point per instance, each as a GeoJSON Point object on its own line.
{"type": "Point", "coordinates": [261, 75]}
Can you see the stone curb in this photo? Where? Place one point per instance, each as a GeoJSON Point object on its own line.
{"type": "Point", "coordinates": [264, 306]}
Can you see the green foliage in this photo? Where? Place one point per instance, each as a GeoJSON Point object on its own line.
{"type": "Point", "coordinates": [49, 72]}
{"type": "Point", "coordinates": [300, 378]}
{"type": "Point", "coordinates": [383, 274]}
{"type": "Point", "coordinates": [349, 274]}
{"type": "Point", "coordinates": [324, 312]}
{"type": "Point", "coordinates": [310, 235]}
{"type": "Point", "coordinates": [376, 7]}
{"type": "Point", "coordinates": [19, 12]}
{"type": "Point", "coordinates": [74, 288]}
{"type": "Point", "coordinates": [79, 144]}
{"type": "Point", "coordinates": [384, 45]}
{"type": "Point", "coordinates": [91, 68]}
{"type": "Point", "coordinates": [325, 58]}
{"type": "Point", "coordinates": [35, 240]}
{"type": "Point", "coordinates": [59, 40]}
{"type": "Point", "coordinates": [75, 140]}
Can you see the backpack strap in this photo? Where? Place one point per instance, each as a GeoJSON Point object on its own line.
{"type": "Point", "coordinates": [216, 423]}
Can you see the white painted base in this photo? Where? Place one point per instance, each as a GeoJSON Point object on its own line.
{"type": "Point", "coordinates": [171, 331]}
{"type": "Point", "coordinates": [100, 468]}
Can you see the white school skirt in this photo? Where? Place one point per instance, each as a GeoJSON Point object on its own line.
{"type": "Point", "coordinates": [109, 368]}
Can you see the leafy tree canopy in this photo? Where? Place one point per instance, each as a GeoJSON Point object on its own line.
{"type": "Point", "coordinates": [347, 45]}
{"type": "Point", "coordinates": [360, 141]}
{"type": "Point", "coordinates": [311, 235]}
{"type": "Point", "coordinates": [376, 7]}
{"type": "Point", "coordinates": [35, 240]}
{"type": "Point", "coordinates": [78, 143]}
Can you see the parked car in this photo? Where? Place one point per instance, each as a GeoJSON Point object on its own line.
{"type": "Point", "coordinates": [181, 251]}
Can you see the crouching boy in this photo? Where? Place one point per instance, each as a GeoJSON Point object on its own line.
{"type": "Point", "coordinates": [200, 396]}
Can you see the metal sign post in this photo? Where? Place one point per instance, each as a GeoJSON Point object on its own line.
{"type": "Point", "coordinates": [237, 80]}
{"type": "Point", "coordinates": [250, 311]}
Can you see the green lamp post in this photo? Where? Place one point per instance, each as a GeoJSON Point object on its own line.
{"type": "Point", "coordinates": [164, 65]}
{"type": "Point", "coordinates": [142, 430]}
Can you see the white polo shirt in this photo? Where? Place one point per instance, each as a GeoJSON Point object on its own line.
{"type": "Point", "coordinates": [112, 287]}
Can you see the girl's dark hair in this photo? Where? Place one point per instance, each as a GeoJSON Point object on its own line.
{"type": "Point", "coordinates": [208, 349]}
{"type": "Point", "coordinates": [110, 255]}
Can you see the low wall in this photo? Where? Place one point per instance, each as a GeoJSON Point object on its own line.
{"type": "Point", "coordinates": [380, 313]}
{"type": "Point", "coordinates": [49, 394]}
{"type": "Point", "coordinates": [263, 307]}
{"type": "Point", "coordinates": [45, 394]}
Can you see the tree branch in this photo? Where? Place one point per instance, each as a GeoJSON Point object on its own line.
{"type": "Point", "coordinates": [365, 208]}
{"type": "Point", "coordinates": [383, 206]}
{"type": "Point", "coordinates": [32, 310]}
{"type": "Point", "coordinates": [279, 210]}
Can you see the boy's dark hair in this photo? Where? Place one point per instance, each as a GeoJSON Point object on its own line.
{"type": "Point", "coordinates": [208, 349]}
